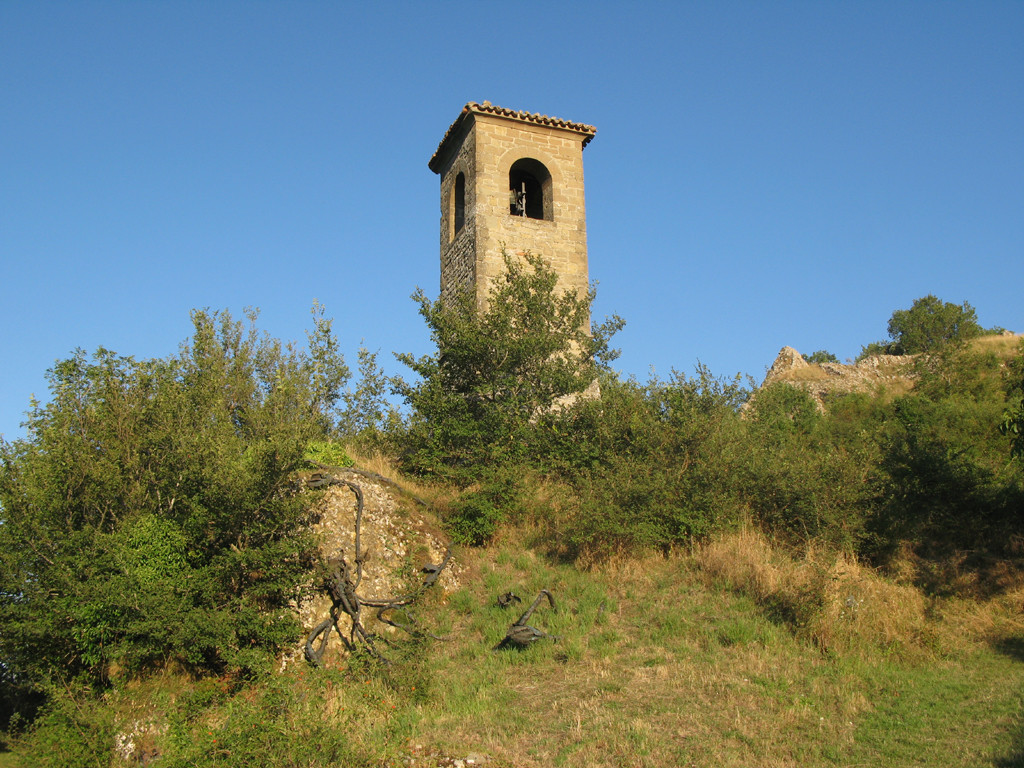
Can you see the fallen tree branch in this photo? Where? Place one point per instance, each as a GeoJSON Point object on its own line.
{"type": "Point", "coordinates": [521, 634]}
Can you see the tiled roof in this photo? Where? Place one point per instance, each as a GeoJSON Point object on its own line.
{"type": "Point", "coordinates": [487, 108]}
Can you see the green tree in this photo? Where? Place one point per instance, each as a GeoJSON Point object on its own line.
{"type": "Point", "coordinates": [149, 514]}
{"type": "Point", "coordinates": [369, 417]}
{"type": "Point", "coordinates": [821, 356]}
{"type": "Point", "coordinates": [497, 368]}
{"type": "Point", "coordinates": [931, 323]}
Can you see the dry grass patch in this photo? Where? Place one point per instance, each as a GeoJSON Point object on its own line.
{"type": "Point", "coordinates": [828, 597]}
{"type": "Point", "coordinates": [810, 372]}
{"type": "Point", "coordinates": [1003, 346]}
{"type": "Point", "coordinates": [893, 389]}
{"type": "Point", "coordinates": [436, 495]}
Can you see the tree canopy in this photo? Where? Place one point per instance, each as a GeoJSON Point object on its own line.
{"type": "Point", "coordinates": [930, 323]}
{"type": "Point", "coordinates": [498, 367]}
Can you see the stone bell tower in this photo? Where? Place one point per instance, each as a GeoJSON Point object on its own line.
{"type": "Point", "coordinates": [511, 180]}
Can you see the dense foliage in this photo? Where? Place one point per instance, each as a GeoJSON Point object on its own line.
{"type": "Point", "coordinates": [930, 323]}
{"type": "Point", "coordinates": [928, 326]}
{"type": "Point", "coordinates": [821, 356]}
{"type": "Point", "coordinates": [1013, 418]}
{"type": "Point", "coordinates": [498, 369]}
{"type": "Point", "coordinates": [668, 462]}
{"type": "Point", "coordinates": [149, 514]}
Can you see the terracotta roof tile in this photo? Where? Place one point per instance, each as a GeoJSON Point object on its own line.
{"type": "Point", "coordinates": [487, 108]}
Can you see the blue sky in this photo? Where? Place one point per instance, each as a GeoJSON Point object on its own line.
{"type": "Point", "coordinates": [763, 174]}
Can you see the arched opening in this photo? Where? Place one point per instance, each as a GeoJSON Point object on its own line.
{"type": "Point", "coordinates": [529, 190]}
{"type": "Point", "coordinates": [459, 202]}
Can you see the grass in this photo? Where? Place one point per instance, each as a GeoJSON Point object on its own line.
{"type": "Point", "coordinates": [735, 654]}
{"type": "Point", "coordinates": [811, 372]}
{"type": "Point", "coordinates": [380, 464]}
{"type": "Point", "coordinates": [681, 668]}
{"type": "Point", "coordinates": [1003, 346]}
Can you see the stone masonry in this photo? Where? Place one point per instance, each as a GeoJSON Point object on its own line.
{"type": "Point", "coordinates": [489, 151]}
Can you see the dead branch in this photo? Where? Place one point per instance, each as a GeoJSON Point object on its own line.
{"type": "Point", "coordinates": [521, 634]}
{"type": "Point", "coordinates": [508, 599]}
{"type": "Point", "coordinates": [342, 585]}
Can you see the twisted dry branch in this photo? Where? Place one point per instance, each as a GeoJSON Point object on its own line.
{"type": "Point", "coordinates": [343, 588]}
{"type": "Point", "coordinates": [520, 634]}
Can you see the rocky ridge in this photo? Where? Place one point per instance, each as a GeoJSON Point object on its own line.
{"type": "Point", "coordinates": [825, 380]}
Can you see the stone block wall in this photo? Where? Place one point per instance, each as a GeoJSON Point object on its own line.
{"type": "Point", "coordinates": [562, 241]}
{"type": "Point", "coordinates": [458, 249]}
{"type": "Point", "coordinates": [483, 144]}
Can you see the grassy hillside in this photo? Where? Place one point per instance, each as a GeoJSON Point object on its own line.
{"type": "Point", "coordinates": [734, 654]}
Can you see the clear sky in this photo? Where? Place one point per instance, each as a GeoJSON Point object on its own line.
{"type": "Point", "coordinates": [764, 173]}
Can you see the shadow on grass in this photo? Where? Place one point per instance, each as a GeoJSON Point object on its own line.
{"type": "Point", "coordinates": [1012, 647]}
{"type": "Point", "coordinates": [1016, 757]}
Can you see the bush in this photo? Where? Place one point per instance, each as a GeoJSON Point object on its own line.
{"type": "Point", "coordinates": [809, 475]}
{"type": "Point", "coordinates": [149, 514]}
{"type": "Point", "coordinates": [71, 731]}
{"type": "Point", "coordinates": [821, 356]}
{"type": "Point", "coordinates": [651, 463]}
{"type": "Point", "coordinates": [474, 517]}
{"type": "Point", "coordinates": [876, 348]}
{"type": "Point", "coordinates": [947, 483]}
{"type": "Point", "coordinates": [328, 453]}
{"type": "Point", "coordinates": [1012, 424]}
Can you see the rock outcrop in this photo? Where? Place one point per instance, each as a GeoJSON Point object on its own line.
{"type": "Point", "coordinates": [398, 538]}
{"type": "Point", "coordinates": [825, 380]}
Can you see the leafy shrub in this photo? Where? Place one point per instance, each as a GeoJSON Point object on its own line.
{"type": "Point", "coordinates": [821, 356]}
{"type": "Point", "coordinates": [781, 410]}
{"type": "Point", "coordinates": [474, 517]}
{"type": "Point", "coordinates": [149, 514]}
{"type": "Point", "coordinates": [328, 453]}
{"type": "Point", "coordinates": [1012, 424]}
{"type": "Point", "coordinates": [651, 462]}
{"type": "Point", "coordinates": [809, 475]}
{"type": "Point", "coordinates": [876, 348]}
{"type": "Point", "coordinates": [947, 484]}
{"type": "Point", "coordinates": [71, 731]}
{"type": "Point", "coordinates": [958, 371]}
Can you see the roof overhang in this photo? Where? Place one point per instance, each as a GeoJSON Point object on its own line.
{"type": "Point", "coordinates": [472, 108]}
